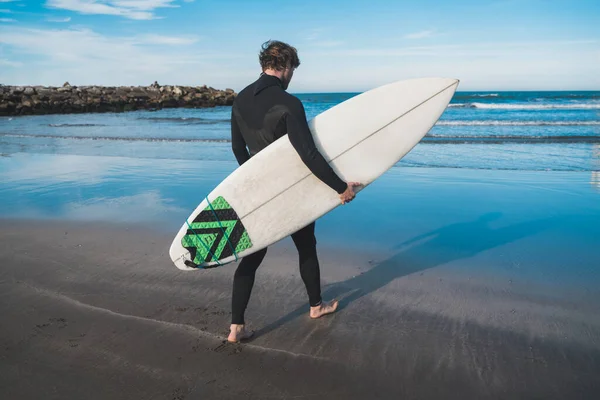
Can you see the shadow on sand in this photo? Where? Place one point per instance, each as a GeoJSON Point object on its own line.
{"type": "Point", "coordinates": [450, 243]}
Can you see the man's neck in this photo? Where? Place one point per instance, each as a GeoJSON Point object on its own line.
{"type": "Point", "coordinates": [274, 72]}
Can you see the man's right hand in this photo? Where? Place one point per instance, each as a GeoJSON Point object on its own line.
{"type": "Point", "coordinates": [349, 194]}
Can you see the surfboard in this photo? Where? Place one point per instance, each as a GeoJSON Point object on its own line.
{"type": "Point", "coordinates": [274, 194]}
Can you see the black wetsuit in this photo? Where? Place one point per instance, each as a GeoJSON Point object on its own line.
{"type": "Point", "coordinates": [262, 113]}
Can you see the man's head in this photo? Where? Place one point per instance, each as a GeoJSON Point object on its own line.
{"type": "Point", "coordinates": [279, 59]}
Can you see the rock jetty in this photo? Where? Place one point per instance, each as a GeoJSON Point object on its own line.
{"type": "Point", "coordinates": [33, 100]}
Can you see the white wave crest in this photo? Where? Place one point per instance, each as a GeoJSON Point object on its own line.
{"type": "Point", "coordinates": [518, 123]}
{"type": "Point", "coordinates": [546, 106]}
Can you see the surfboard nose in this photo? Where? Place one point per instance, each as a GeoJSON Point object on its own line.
{"type": "Point", "coordinates": [451, 81]}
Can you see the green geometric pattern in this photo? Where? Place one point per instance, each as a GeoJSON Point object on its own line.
{"type": "Point", "coordinates": [205, 240]}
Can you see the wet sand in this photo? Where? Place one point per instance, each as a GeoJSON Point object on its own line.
{"type": "Point", "coordinates": [97, 311]}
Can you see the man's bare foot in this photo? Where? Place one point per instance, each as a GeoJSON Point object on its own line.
{"type": "Point", "coordinates": [324, 309]}
{"type": "Point", "coordinates": [238, 333]}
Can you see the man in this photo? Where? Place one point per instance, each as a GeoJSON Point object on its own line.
{"type": "Point", "coordinates": [262, 113]}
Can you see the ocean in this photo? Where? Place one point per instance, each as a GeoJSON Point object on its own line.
{"type": "Point", "coordinates": [535, 131]}
{"type": "Point", "coordinates": [525, 154]}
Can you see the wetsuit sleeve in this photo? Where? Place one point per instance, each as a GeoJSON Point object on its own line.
{"type": "Point", "coordinates": [238, 144]}
{"type": "Point", "coordinates": [302, 140]}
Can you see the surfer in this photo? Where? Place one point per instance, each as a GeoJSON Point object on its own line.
{"type": "Point", "coordinates": [261, 113]}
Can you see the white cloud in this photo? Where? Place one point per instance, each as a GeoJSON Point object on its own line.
{"type": "Point", "coordinates": [313, 34]}
{"type": "Point", "coordinates": [9, 63]}
{"type": "Point", "coordinates": [314, 38]}
{"type": "Point", "coordinates": [166, 40]}
{"type": "Point", "coordinates": [84, 57]}
{"type": "Point", "coordinates": [567, 65]}
{"type": "Point", "coordinates": [66, 19]}
{"type": "Point", "coordinates": [146, 5]}
{"type": "Point", "coordinates": [419, 35]}
{"type": "Point", "coordinates": [484, 49]}
{"type": "Point", "coordinates": [8, 1]}
{"type": "Point", "coordinates": [4, 10]}
{"type": "Point", "coordinates": [7, 20]}
{"type": "Point", "coordinates": [132, 9]}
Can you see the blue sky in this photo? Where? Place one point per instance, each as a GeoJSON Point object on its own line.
{"type": "Point", "coordinates": [343, 45]}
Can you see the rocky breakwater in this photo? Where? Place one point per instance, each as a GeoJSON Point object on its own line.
{"type": "Point", "coordinates": [33, 100]}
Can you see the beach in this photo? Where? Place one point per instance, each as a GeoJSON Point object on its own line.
{"type": "Point", "coordinates": [467, 267]}
{"type": "Point", "coordinates": [470, 284]}
{"type": "Point", "coordinates": [469, 270]}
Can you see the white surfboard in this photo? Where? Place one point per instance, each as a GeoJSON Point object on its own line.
{"type": "Point", "coordinates": [274, 194]}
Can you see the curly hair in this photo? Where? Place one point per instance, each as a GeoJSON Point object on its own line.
{"type": "Point", "coordinates": [278, 56]}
